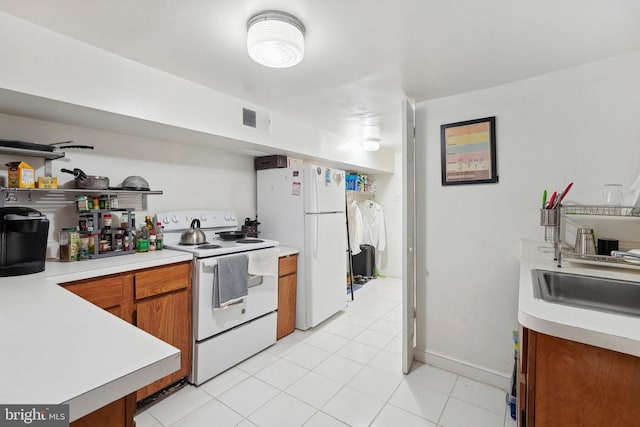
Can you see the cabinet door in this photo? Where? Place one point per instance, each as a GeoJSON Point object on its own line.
{"type": "Point", "coordinates": [287, 265]}
{"type": "Point", "coordinates": [112, 293]}
{"type": "Point", "coordinates": [167, 317]}
{"type": "Point", "coordinates": [160, 280]}
{"type": "Point", "coordinates": [581, 385]}
{"type": "Point", "coordinates": [286, 305]}
{"type": "Point", "coordinates": [118, 413]}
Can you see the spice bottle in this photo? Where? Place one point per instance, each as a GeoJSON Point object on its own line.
{"type": "Point", "coordinates": [82, 203]}
{"type": "Point", "coordinates": [124, 220]}
{"type": "Point", "coordinates": [159, 237]}
{"type": "Point", "coordinates": [104, 201]}
{"type": "Point", "coordinates": [83, 253]}
{"type": "Point", "coordinates": [106, 239]}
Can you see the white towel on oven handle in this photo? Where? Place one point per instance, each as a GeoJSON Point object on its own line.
{"type": "Point", "coordinates": [263, 262]}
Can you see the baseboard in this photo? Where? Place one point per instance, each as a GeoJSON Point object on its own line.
{"type": "Point", "coordinates": [465, 369]}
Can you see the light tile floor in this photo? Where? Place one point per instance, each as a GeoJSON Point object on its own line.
{"type": "Point", "coordinates": [346, 371]}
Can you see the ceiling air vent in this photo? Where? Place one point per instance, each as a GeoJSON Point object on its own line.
{"type": "Point", "coordinates": [257, 120]}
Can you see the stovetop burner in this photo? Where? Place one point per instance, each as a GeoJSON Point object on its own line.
{"type": "Point", "coordinates": [249, 241]}
{"type": "Point", "coordinates": [209, 246]}
{"type": "Point", "coordinates": [195, 244]}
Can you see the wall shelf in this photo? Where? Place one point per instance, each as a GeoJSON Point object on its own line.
{"type": "Point", "coordinates": [65, 196]}
{"type": "Point", "coordinates": [108, 191]}
{"type": "Point", "coordinates": [48, 155]}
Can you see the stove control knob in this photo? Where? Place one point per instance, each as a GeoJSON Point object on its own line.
{"type": "Point", "coordinates": [233, 217]}
{"type": "Point", "coordinates": [227, 217]}
{"type": "Point", "coordinates": [203, 217]}
{"type": "Point", "coordinates": [174, 219]}
{"type": "Point", "coordinates": [165, 220]}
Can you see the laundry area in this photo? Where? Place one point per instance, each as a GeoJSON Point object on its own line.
{"type": "Point", "coordinates": [366, 229]}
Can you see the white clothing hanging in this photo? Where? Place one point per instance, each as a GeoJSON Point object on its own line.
{"type": "Point", "coordinates": [374, 229]}
{"type": "Point", "coordinates": [356, 227]}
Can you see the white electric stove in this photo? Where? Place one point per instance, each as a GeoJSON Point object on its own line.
{"type": "Point", "coordinates": [211, 222]}
{"type": "Point", "coordinates": [224, 337]}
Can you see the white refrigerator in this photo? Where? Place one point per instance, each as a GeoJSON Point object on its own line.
{"type": "Point", "coordinates": [304, 207]}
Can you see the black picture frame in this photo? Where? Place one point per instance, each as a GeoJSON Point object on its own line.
{"type": "Point", "coordinates": [468, 152]}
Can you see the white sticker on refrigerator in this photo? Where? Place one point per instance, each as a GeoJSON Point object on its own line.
{"type": "Point", "coordinates": [295, 190]}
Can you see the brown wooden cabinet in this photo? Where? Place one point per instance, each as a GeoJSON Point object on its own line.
{"type": "Point", "coordinates": [566, 383]}
{"type": "Point", "coordinates": [287, 283]}
{"type": "Point", "coordinates": [157, 300]}
{"type": "Point", "coordinates": [116, 414]}
{"type": "Point", "coordinates": [163, 308]}
{"type": "Point", "coordinates": [114, 293]}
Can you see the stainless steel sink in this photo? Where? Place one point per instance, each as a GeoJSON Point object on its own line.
{"type": "Point", "coordinates": [595, 293]}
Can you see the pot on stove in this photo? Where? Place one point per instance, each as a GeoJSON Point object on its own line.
{"type": "Point", "coordinates": [193, 235]}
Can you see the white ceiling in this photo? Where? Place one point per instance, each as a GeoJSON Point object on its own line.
{"type": "Point", "coordinates": [362, 56]}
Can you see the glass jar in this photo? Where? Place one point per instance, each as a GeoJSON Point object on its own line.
{"type": "Point", "coordinates": [104, 246]}
{"type": "Point", "coordinates": [104, 201]}
{"type": "Point", "coordinates": [118, 244]}
{"type": "Point", "coordinates": [124, 220]}
{"type": "Point", "coordinates": [69, 244]}
{"type": "Point", "coordinates": [142, 239]}
{"type": "Point", "coordinates": [113, 202]}
{"type": "Point", "coordinates": [82, 203]}
{"type": "Point", "coordinates": [106, 220]}
{"type": "Point", "coordinates": [83, 253]}
{"type": "Point", "coordinates": [95, 201]}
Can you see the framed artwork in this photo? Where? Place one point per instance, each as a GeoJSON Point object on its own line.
{"type": "Point", "coordinates": [468, 152]}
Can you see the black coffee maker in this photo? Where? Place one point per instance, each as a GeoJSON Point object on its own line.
{"type": "Point", "coordinates": [23, 241]}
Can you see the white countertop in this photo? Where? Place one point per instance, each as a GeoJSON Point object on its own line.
{"type": "Point", "coordinates": [59, 348]}
{"type": "Point", "coordinates": [287, 251]}
{"type": "Point", "coordinates": [612, 331]}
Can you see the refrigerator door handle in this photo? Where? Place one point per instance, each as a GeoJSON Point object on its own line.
{"type": "Point", "coordinates": [316, 207]}
{"type": "Point", "coordinates": [315, 251]}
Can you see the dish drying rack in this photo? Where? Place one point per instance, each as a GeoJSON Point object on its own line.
{"type": "Point", "coordinates": [618, 222]}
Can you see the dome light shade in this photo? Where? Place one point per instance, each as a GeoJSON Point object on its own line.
{"type": "Point", "coordinates": [371, 144]}
{"type": "Point", "coordinates": [275, 39]}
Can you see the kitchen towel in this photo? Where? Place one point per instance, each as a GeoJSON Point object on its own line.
{"type": "Point", "coordinates": [264, 262]}
{"type": "Point", "coordinates": [231, 280]}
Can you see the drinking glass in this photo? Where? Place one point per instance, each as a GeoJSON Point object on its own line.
{"type": "Point", "coordinates": [612, 196]}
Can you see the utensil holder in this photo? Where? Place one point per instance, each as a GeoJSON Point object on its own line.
{"type": "Point", "coordinates": [549, 220]}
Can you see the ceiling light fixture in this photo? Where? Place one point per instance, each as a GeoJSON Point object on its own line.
{"type": "Point", "coordinates": [371, 144]}
{"type": "Point", "coordinates": [275, 39]}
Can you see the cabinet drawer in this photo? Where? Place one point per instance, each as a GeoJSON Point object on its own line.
{"type": "Point", "coordinates": [161, 280]}
{"type": "Point", "coordinates": [105, 292]}
{"type": "Point", "coordinates": [288, 265]}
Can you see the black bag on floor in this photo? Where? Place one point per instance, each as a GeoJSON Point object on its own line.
{"type": "Point", "coordinates": [364, 264]}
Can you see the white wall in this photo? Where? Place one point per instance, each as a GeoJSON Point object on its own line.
{"type": "Point", "coordinates": [389, 195]}
{"type": "Point", "coordinates": [51, 66]}
{"type": "Point", "coordinates": [190, 177]}
{"type": "Point", "coordinates": [581, 125]}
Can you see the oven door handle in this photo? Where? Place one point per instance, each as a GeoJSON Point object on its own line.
{"type": "Point", "coordinates": [255, 281]}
